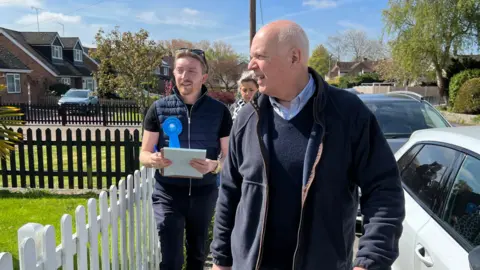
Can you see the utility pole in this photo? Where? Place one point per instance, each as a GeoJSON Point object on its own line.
{"type": "Point", "coordinates": [253, 19]}
{"type": "Point", "coordinates": [38, 24]}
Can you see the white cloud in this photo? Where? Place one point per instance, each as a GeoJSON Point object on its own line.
{"type": "Point", "coordinates": [190, 11]}
{"type": "Point", "coordinates": [352, 25]}
{"type": "Point", "coordinates": [112, 11]}
{"type": "Point", "coordinates": [186, 19]}
{"type": "Point", "coordinates": [48, 16]}
{"type": "Point", "coordinates": [320, 3]}
{"type": "Point", "coordinates": [21, 3]}
{"type": "Point", "coordinates": [148, 17]}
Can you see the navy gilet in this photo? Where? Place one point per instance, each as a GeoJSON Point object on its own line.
{"type": "Point", "coordinates": [200, 130]}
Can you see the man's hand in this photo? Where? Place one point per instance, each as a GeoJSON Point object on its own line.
{"type": "Point", "coordinates": [156, 160]}
{"type": "Point", "coordinates": [216, 267]}
{"type": "Point", "coordinates": [359, 268]}
{"type": "Point", "coordinates": [204, 166]}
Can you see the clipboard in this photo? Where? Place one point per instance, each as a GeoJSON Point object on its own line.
{"type": "Point", "coordinates": [181, 157]}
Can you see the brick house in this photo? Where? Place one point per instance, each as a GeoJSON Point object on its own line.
{"type": "Point", "coordinates": [351, 68]}
{"type": "Point", "coordinates": [30, 62]}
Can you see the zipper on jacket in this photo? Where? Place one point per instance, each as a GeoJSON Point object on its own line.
{"type": "Point", "coordinates": [304, 199]}
{"type": "Point", "coordinates": [189, 117]}
{"type": "Point", "coordinates": [265, 170]}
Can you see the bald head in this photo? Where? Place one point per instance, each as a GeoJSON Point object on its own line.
{"type": "Point", "coordinates": [279, 58]}
{"type": "Point", "coordinates": [288, 35]}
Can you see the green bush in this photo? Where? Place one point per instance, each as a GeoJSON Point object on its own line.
{"type": "Point", "coordinates": [349, 82]}
{"type": "Point", "coordinates": [468, 97]}
{"type": "Point", "coordinates": [458, 80]}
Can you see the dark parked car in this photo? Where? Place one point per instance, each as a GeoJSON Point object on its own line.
{"type": "Point", "coordinates": [79, 100]}
{"type": "Point", "coordinates": [401, 113]}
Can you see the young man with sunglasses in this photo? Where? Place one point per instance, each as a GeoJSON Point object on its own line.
{"type": "Point", "coordinates": [184, 204]}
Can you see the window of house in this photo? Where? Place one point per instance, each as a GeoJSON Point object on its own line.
{"type": "Point", "coordinates": [13, 83]}
{"type": "Point", "coordinates": [57, 52]}
{"type": "Point", "coordinates": [157, 70]}
{"type": "Point", "coordinates": [424, 176]}
{"type": "Point", "coordinates": [88, 83]}
{"type": "Point", "coordinates": [66, 81]}
{"type": "Point", "coordinates": [165, 71]}
{"type": "Point", "coordinates": [78, 55]}
{"type": "Point", "coordinates": [463, 204]}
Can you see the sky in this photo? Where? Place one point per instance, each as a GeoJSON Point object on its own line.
{"type": "Point", "coordinates": [211, 20]}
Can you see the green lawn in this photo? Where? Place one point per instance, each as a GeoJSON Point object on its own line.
{"type": "Point", "coordinates": [127, 116]}
{"type": "Point", "coordinates": [43, 208]}
{"type": "Point", "coordinates": [37, 207]}
{"type": "Point", "coordinates": [89, 167]}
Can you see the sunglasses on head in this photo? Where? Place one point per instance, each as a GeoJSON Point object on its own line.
{"type": "Point", "coordinates": [198, 52]}
{"type": "Point", "coordinates": [195, 51]}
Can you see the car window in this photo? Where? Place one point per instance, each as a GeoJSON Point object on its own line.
{"type": "Point", "coordinates": [463, 207]}
{"type": "Point", "coordinates": [432, 117]}
{"type": "Point", "coordinates": [424, 176]}
{"type": "Point", "coordinates": [79, 94]}
{"type": "Point", "coordinates": [402, 118]}
{"type": "Point", "coordinates": [408, 156]}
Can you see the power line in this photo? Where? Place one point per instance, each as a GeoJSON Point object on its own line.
{"type": "Point", "coordinates": [261, 12]}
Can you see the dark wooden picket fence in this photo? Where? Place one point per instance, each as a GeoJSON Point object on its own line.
{"type": "Point", "coordinates": [66, 161]}
{"type": "Point", "coordinates": [104, 114]}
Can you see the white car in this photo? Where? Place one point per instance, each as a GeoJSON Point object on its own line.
{"type": "Point", "coordinates": [440, 171]}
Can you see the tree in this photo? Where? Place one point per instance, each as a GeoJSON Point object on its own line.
{"type": "Point", "coordinates": [431, 31]}
{"type": "Point", "coordinates": [127, 64]}
{"type": "Point", "coordinates": [171, 46]}
{"type": "Point", "coordinates": [225, 66]}
{"type": "Point", "coordinates": [391, 71]}
{"type": "Point", "coordinates": [320, 60]}
{"type": "Point", "coordinates": [357, 44]}
{"type": "Point", "coordinates": [337, 46]}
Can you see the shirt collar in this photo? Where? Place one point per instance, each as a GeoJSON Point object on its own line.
{"type": "Point", "coordinates": [301, 98]}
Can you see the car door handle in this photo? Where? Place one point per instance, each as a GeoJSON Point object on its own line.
{"type": "Point", "coordinates": [423, 255]}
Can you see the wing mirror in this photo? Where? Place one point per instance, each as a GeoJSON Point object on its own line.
{"type": "Point", "coordinates": [474, 258]}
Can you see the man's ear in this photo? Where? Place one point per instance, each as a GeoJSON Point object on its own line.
{"type": "Point", "coordinates": [205, 77]}
{"type": "Point", "coordinates": [295, 56]}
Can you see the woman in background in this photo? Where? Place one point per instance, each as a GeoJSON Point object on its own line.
{"type": "Point", "coordinates": [247, 86]}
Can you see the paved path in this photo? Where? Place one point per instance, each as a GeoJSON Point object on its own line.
{"type": "Point", "coordinates": [63, 129]}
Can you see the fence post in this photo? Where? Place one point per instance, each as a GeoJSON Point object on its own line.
{"type": "Point", "coordinates": [6, 261]}
{"type": "Point", "coordinates": [23, 109]}
{"type": "Point", "coordinates": [63, 113]}
{"type": "Point", "coordinates": [104, 115]}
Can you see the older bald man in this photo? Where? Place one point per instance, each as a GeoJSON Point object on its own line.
{"type": "Point", "coordinates": [297, 153]}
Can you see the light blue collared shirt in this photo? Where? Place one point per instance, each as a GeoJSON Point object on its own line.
{"type": "Point", "coordinates": [297, 104]}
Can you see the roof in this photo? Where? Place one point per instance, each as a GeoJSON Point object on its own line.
{"type": "Point", "coordinates": [65, 68]}
{"type": "Point", "coordinates": [39, 38]}
{"type": "Point", "coordinates": [10, 61]}
{"type": "Point", "coordinates": [348, 66]}
{"type": "Point", "coordinates": [467, 137]}
{"type": "Point", "coordinates": [69, 42]}
{"type": "Point", "coordinates": [23, 42]}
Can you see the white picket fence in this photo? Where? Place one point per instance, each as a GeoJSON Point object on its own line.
{"type": "Point", "coordinates": [134, 246]}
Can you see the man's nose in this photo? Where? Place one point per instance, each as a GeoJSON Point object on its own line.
{"type": "Point", "coordinates": [252, 64]}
